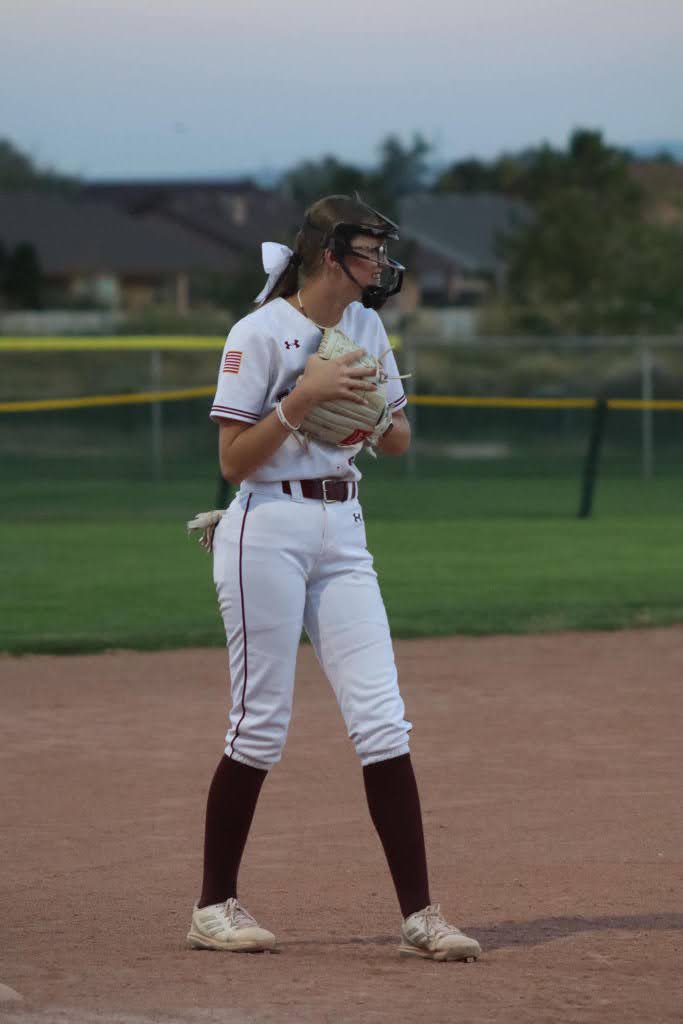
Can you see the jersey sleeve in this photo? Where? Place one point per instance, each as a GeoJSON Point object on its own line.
{"type": "Point", "coordinates": [243, 376]}
{"type": "Point", "coordinates": [396, 398]}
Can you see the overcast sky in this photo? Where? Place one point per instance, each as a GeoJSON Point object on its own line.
{"type": "Point", "coordinates": [169, 88]}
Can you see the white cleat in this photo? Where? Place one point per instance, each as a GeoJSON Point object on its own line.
{"type": "Point", "coordinates": [228, 926]}
{"type": "Point", "coordinates": [428, 935]}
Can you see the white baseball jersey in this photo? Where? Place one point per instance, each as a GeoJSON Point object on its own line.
{"type": "Point", "coordinates": [264, 354]}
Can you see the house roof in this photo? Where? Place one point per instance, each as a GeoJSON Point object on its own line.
{"type": "Point", "coordinates": [237, 214]}
{"type": "Point", "coordinates": [73, 235]}
{"type": "Point", "coordinates": [464, 229]}
{"type": "Point", "coordinates": [132, 194]}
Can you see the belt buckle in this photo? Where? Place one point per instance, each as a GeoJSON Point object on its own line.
{"type": "Point", "coordinates": [328, 501]}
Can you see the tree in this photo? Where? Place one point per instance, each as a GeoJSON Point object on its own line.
{"type": "Point", "coordinates": [538, 172]}
{"type": "Point", "coordinates": [586, 265]}
{"type": "Point", "coordinates": [588, 164]}
{"type": "Point", "coordinates": [646, 280]}
{"type": "Point", "coordinates": [586, 261]}
{"type": "Point", "coordinates": [23, 278]}
{"type": "Point", "coordinates": [401, 170]}
{"type": "Point", "coordinates": [470, 175]}
{"type": "Point", "coordinates": [312, 179]}
{"type": "Point", "coordinates": [18, 171]}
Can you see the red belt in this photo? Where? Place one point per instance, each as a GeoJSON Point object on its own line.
{"type": "Point", "coordinates": [325, 490]}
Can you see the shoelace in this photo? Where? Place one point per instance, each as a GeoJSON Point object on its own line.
{"type": "Point", "coordinates": [435, 922]}
{"type": "Point", "coordinates": [237, 914]}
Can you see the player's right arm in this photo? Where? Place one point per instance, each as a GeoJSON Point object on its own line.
{"type": "Point", "coordinates": [244, 447]}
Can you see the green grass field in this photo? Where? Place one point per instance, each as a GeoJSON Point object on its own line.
{"type": "Point", "coordinates": [89, 565]}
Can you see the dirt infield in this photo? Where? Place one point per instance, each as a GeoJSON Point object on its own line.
{"type": "Point", "coordinates": [550, 770]}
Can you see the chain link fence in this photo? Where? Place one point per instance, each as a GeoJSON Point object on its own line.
{"type": "Point", "coordinates": [137, 409]}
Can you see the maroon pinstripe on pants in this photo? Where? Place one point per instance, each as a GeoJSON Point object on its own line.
{"type": "Point", "coordinates": [244, 630]}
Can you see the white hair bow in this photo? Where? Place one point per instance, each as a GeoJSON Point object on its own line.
{"type": "Point", "coordinates": [275, 258]}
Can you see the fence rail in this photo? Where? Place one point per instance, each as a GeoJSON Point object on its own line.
{"type": "Point", "coordinates": [443, 401]}
{"type": "Point", "coordinates": [110, 344]}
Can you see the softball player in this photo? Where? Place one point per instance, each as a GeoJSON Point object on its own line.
{"type": "Point", "coordinates": [291, 551]}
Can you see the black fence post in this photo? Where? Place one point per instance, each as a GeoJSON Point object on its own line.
{"type": "Point", "coordinates": [590, 466]}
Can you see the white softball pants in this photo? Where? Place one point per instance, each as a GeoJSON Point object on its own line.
{"type": "Point", "coordinates": [281, 563]}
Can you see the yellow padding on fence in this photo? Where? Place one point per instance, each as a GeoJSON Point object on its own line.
{"type": "Point", "coordinates": [504, 403]}
{"type": "Point", "coordinates": [136, 398]}
{"type": "Point", "coordinates": [111, 344]}
{"type": "Point", "coordinates": [466, 401]}
{"type": "Point", "coordinates": [545, 403]}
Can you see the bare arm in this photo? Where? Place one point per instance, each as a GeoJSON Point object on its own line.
{"type": "Point", "coordinates": [397, 440]}
{"type": "Point", "coordinates": [243, 447]}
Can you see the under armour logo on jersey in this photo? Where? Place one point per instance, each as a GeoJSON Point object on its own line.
{"type": "Point", "coordinates": [357, 517]}
{"type": "Point", "coordinates": [292, 344]}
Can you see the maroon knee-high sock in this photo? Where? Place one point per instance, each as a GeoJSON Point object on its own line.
{"type": "Point", "coordinates": [229, 812]}
{"type": "Point", "coordinates": [394, 805]}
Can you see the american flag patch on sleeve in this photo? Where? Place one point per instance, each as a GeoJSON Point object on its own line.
{"type": "Point", "coordinates": [231, 363]}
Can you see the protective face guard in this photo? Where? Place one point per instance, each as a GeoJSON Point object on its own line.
{"type": "Point", "coordinates": [373, 296]}
{"type": "Point", "coordinates": [338, 240]}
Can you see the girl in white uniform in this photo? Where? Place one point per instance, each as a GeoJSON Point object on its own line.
{"type": "Point", "coordinates": [291, 551]}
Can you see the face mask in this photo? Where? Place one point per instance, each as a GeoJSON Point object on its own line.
{"type": "Point", "coordinates": [373, 296]}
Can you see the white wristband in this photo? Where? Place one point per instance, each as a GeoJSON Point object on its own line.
{"type": "Point", "coordinates": [283, 419]}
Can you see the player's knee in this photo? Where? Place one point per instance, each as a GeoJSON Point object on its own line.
{"type": "Point", "coordinates": [381, 740]}
{"type": "Point", "coordinates": [258, 747]}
